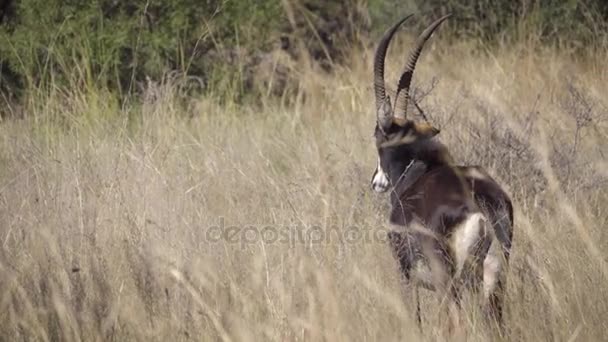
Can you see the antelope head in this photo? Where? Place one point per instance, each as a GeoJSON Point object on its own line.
{"type": "Point", "coordinates": [399, 140]}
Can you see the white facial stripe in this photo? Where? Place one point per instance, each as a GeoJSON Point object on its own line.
{"type": "Point", "coordinates": [380, 181]}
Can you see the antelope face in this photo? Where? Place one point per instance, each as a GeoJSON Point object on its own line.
{"type": "Point", "coordinates": [396, 136]}
{"type": "Point", "coordinates": [397, 145]}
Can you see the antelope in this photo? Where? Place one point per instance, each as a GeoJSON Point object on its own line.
{"type": "Point", "coordinates": [452, 224]}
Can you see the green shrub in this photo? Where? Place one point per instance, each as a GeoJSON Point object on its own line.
{"type": "Point", "coordinates": [571, 23]}
{"type": "Point", "coordinates": [116, 43]}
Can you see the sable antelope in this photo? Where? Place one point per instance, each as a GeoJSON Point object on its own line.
{"type": "Point", "coordinates": [454, 223]}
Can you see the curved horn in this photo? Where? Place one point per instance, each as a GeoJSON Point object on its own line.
{"type": "Point", "coordinates": [403, 88]}
{"type": "Point", "coordinates": [384, 112]}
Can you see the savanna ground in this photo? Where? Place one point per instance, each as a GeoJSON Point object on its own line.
{"type": "Point", "coordinates": [216, 221]}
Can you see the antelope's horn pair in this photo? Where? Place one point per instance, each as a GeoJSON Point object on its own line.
{"type": "Point", "coordinates": [383, 106]}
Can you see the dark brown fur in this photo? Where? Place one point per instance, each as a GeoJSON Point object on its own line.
{"type": "Point", "coordinates": [441, 199]}
{"type": "Point", "coordinates": [431, 196]}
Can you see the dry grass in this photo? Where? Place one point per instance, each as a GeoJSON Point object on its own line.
{"type": "Point", "coordinates": [109, 231]}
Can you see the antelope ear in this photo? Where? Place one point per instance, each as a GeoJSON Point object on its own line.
{"type": "Point", "coordinates": [425, 130]}
{"type": "Point", "coordinates": [412, 133]}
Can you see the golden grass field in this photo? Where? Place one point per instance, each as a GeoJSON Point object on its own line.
{"type": "Point", "coordinates": [216, 221]}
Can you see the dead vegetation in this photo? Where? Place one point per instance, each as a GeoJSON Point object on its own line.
{"type": "Point", "coordinates": [209, 222]}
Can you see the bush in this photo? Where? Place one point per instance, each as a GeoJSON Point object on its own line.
{"type": "Point", "coordinates": [575, 24]}
{"type": "Point", "coordinates": [120, 45]}
{"type": "Point", "coordinates": [114, 43]}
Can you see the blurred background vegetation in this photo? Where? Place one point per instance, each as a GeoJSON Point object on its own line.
{"type": "Point", "coordinates": [216, 45]}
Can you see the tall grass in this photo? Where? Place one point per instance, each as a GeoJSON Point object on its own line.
{"type": "Point", "coordinates": [195, 220]}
